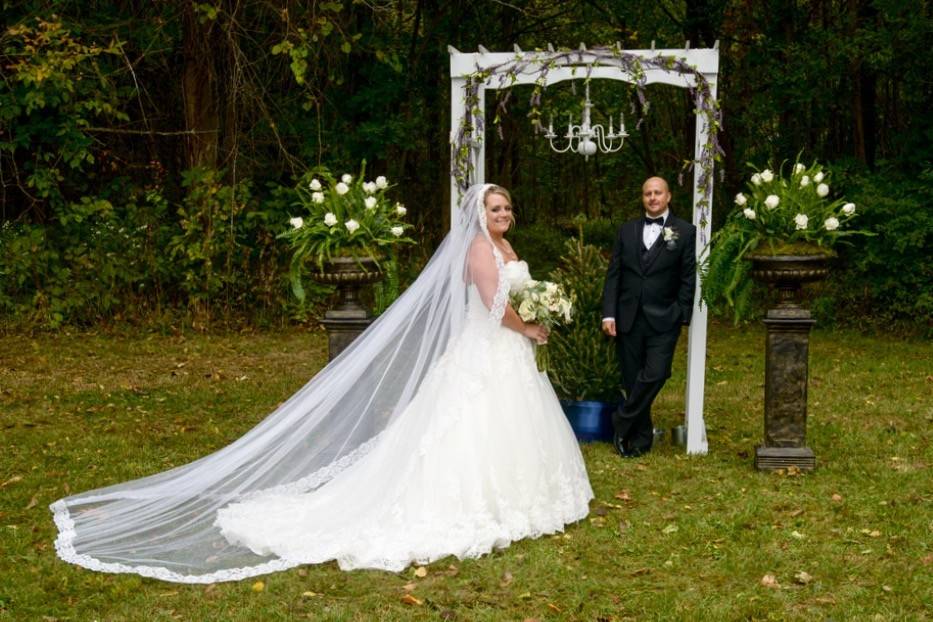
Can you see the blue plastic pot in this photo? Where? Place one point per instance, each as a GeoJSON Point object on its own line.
{"type": "Point", "coordinates": [591, 421]}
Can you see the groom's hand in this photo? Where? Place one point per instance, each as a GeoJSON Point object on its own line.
{"type": "Point", "coordinates": [609, 327]}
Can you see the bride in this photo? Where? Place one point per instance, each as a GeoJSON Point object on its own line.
{"type": "Point", "coordinates": [433, 434]}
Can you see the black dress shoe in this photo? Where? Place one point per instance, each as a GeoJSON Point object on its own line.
{"type": "Point", "coordinates": [619, 443]}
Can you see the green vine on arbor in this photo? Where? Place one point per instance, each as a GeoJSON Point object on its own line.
{"type": "Point", "coordinates": [473, 126]}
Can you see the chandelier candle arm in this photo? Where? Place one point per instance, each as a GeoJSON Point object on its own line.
{"type": "Point", "coordinates": [587, 138]}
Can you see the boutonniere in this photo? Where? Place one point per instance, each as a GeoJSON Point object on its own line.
{"type": "Point", "coordinates": [670, 237]}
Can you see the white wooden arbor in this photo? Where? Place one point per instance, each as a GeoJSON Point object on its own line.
{"type": "Point", "coordinates": [579, 66]}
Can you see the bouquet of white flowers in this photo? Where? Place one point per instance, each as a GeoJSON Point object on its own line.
{"type": "Point", "coordinates": [544, 303]}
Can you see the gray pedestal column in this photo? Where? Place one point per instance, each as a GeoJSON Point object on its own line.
{"type": "Point", "coordinates": [787, 352]}
{"type": "Point", "coordinates": [348, 318]}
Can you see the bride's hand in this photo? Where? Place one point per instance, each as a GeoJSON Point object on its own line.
{"type": "Point", "coordinates": [536, 332]}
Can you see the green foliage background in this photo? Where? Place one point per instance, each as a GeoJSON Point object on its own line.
{"type": "Point", "coordinates": [147, 150]}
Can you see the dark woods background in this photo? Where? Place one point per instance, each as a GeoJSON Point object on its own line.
{"type": "Point", "coordinates": [148, 150]}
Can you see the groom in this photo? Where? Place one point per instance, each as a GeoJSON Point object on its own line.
{"type": "Point", "coordinates": [647, 296]}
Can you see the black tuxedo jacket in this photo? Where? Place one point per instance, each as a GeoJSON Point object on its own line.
{"type": "Point", "coordinates": [661, 282]}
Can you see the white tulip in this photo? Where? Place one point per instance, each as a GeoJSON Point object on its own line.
{"type": "Point", "coordinates": [342, 188]}
{"type": "Point", "coordinates": [799, 168]}
{"type": "Point", "coordinates": [848, 209]}
{"type": "Point", "coordinates": [370, 202]}
{"type": "Point", "coordinates": [804, 181]}
{"type": "Point", "coordinates": [767, 176]}
{"type": "Point", "coordinates": [296, 222]}
{"type": "Point", "coordinates": [822, 190]}
{"type": "Point", "coordinates": [346, 178]}
{"type": "Point", "coordinates": [756, 179]}
{"type": "Point", "coordinates": [818, 177]}
{"type": "Point", "coordinates": [772, 201]}
{"type": "Point", "coordinates": [749, 213]}
{"type": "Point", "coordinates": [801, 221]}
{"type": "Point", "coordinates": [397, 231]}
{"type": "Point", "coordinates": [369, 187]}
{"type": "Point", "coordinates": [351, 225]}
{"type": "Point", "coordinates": [330, 219]}
{"type": "Point", "coordinates": [382, 183]}
{"type": "Point", "coordinates": [831, 224]}
{"type": "Point", "coordinates": [315, 185]}
{"type": "Point", "coordinates": [400, 209]}
{"type": "Point", "coordinates": [317, 197]}
{"type": "Point", "coordinates": [740, 199]}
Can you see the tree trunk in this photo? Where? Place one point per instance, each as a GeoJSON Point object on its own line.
{"type": "Point", "coordinates": [198, 90]}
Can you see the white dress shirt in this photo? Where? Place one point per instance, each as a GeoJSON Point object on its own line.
{"type": "Point", "coordinates": [651, 232]}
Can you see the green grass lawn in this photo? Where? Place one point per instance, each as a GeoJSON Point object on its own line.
{"type": "Point", "coordinates": [669, 536]}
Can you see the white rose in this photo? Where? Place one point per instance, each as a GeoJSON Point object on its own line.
{"type": "Point", "coordinates": [756, 179]}
{"type": "Point", "coordinates": [831, 224]}
{"type": "Point", "coordinates": [749, 213]}
{"type": "Point", "coordinates": [351, 225]}
{"type": "Point", "coordinates": [296, 222]}
{"type": "Point", "coordinates": [848, 209]}
{"type": "Point", "coordinates": [382, 183]}
{"type": "Point", "coordinates": [400, 209]}
{"type": "Point", "coordinates": [801, 221]}
{"type": "Point", "coordinates": [740, 199]}
{"type": "Point", "coordinates": [369, 187]}
{"type": "Point", "coordinates": [317, 197]}
{"type": "Point", "coordinates": [799, 168]}
{"type": "Point", "coordinates": [772, 201]}
{"type": "Point", "coordinates": [370, 202]}
{"type": "Point", "coordinates": [818, 177]}
{"type": "Point", "coordinates": [822, 190]}
{"type": "Point", "coordinates": [767, 176]}
{"type": "Point", "coordinates": [346, 178]}
{"type": "Point", "coordinates": [330, 219]}
{"type": "Point", "coordinates": [397, 231]}
{"type": "Point", "coordinates": [804, 181]}
{"type": "Point", "coordinates": [315, 185]}
{"type": "Point", "coordinates": [342, 188]}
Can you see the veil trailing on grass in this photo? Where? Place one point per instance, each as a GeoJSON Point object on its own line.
{"type": "Point", "coordinates": [163, 526]}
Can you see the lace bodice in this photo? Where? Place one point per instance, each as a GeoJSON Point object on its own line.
{"type": "Point", "coordinates": [516, 273]}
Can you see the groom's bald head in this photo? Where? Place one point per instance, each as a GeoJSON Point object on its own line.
{"type": "Point", "coordinates": [655, 196]}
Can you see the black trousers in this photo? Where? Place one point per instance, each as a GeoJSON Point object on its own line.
{"type": "Point", "coordinates": [645, 356]}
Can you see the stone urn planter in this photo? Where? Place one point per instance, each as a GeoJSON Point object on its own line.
{"type": "Point", "coordinates": [347, 318]}
{"type": "Point", "coordinates": [786, 359]}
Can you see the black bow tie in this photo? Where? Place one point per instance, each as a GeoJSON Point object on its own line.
{"type": "Point", "coordinates": [654, 221]}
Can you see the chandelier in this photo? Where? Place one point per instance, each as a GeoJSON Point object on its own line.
{"type": "Point", "coordinates": [586, 138]}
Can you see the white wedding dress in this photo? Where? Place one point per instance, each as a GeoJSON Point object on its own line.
{"type": "Point", "coordinates": [432, 434]}
{"type": "Point", "coordinates": [481, 456]}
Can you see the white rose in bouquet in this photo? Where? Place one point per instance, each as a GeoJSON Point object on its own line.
{"type": "Point", "coordinates": [370, 202]}
{"type": "Point", "coordinates": [848, 209]}
{"type": "Point", "coordinates": [749, 213]}
{"type": "Point", "coordinates": [767, 176]}
{"type": "Point", "coordinates": [397, 231]}
{"type": "Point", "coordinates": [801, 220]}
{"type": "Point", "coordinates": [772, 201]}
{"type": "Point", "coordinates": [804, 181]}
{"type": "Point", "coordinates": [369, 187]}
{"type": "Point", "coordinates": [342, 188]}
{"type": "Point", "coordinates": [818, 177]}
{"type": "Point", "coordinates": [400, 209]}
{"type": "Point", "coordinates": [756, 179]}
{"type": "Point", "coordinates": [831, 223]}
{"type": "Point", "coordinates": [740, 199]}
{"type": "Point", "coordinates": [296, 222]}
{"type": "Point", "coordinates": [799, 168]}
{"type": "Point", "coordinates": [822, 190]}
{"type": "Point", "coordinates": [381, 182]}
{"type": "Point", "coordinates": [317, 197]}
{"type": "Point", "coordinates": [330, 219]}
{"type": "Point", "coordinates": [315, 185]}
{"type": "Point", "coordinates": [351, 226]}
{"type": "Point", "coordinates": [346, 178]}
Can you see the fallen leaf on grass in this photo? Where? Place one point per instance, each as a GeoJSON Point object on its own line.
{"type": "Point", "coordinates": [797, 535]}
{"type": "Point", "coordinates": [670, 529]}
{"type": "Point", "coordinates": [803, 577]}
{"type": "Point", "coordinates": [409, 599]}
{"type": "Point", "coordinates": [640, 572]}
{"type": "Point", "coordinates": [33, 502]}
{"type": "Point", "coordinates": [795, 513]}
{"type": "Point", "coordinates": [506, 579]}
{"type": "Point", "coordinates": [421, 572]}
{"type": "Point", "coordinates": [770, 581]}
{"type": "Point", "coordinates": [836, 497]}
{"type": "Point", "coordinates": [258, 586]}
{"type": "Point", "coordinates": [553, 607]}
{"type": "Point", "coordinates": [887, 588]}
{"type": "Point", "coordinates": [12, 480]}
{"type": "Point", "coordinates": [623, 495]}
{"type": "Point", "coordinates": [309, 594]}
{"type": "Point", "coordinates": [525, 595]}
{"type": "Point", "coordinates": [408, 587]}
{"type": "Point", "coordinates": [926, 561]}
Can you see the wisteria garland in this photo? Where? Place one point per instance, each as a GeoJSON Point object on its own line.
{"type": "Point", "coordinates": [473, 122]}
